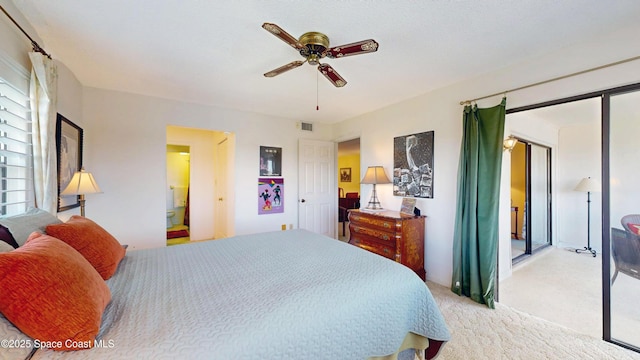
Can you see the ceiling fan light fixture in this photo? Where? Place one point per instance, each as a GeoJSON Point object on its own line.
{"type": "Point", "coordinates": [313, 59]}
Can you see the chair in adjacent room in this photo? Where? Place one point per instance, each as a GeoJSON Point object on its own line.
{"type": "Point", "coordinates": [625, 248]}
{"type": "Point", "coordinates": [350, 201]}
{"type": "Point", "coordinates": [631, 223]}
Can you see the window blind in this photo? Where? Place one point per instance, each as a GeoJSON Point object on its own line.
{"type": "Point", "coordinates": [16, 165]}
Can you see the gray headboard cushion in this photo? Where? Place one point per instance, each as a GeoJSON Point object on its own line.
{"type": "Point", "coordinates": [22, 225]}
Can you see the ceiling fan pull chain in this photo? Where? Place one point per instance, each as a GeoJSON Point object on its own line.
{"type": "Point", "coordinates": [317, 105]}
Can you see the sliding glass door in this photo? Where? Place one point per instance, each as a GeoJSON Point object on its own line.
{"type": "Point", "coordinates": [624, 217]}
{"type": "Point", "coordinates": [620, 208]}
{"type": "Point", "coordinates": [530, 198]}
{"type": "Point", "coordinates": [540, 195]}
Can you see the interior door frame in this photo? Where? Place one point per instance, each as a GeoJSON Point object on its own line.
{"type": "Point", "coordinates": [527, 209]}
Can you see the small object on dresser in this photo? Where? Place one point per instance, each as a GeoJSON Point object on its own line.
{"type": "Point", "coordinates": [408, 205]}
{"type": "Point", "coordinates": [416, 212]}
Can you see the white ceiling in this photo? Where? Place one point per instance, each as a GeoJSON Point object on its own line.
{"type": "Point", "coordinates": [215, 52]}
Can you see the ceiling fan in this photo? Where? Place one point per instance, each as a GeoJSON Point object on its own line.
{"type": "Point", "coordinates": [314, 46]}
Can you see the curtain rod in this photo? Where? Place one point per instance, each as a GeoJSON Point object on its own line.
{"type": "Point", "coordinates": [553, 79]}
{"type": "Point", "coordinates": [34, 44]}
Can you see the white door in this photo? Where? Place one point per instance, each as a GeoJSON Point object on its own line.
{"type": "Point", "coordinates": [317, 199]}
{"type": "Point", "coordinates": [221, 175]}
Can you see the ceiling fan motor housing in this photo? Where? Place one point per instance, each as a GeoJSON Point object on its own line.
{"type": "Point", "coordinates": [315, 44]}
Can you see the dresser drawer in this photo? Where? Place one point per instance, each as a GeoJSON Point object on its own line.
{"type": "Point", "coordinates": [356, 228]}
{"type": "Point", "coordinates": [383, 249]}
{"type": "Point", "coordinates": [379, 223]}
{"type": "Point", "coordinates": [394, 235]}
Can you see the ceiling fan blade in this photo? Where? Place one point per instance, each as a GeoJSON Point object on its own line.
{"type": "Point", "coordinates": [281, 69]}
{"type": "Point", "coordinates": [282, 35]}
{"type": "Point", "coordinates": [356, 48]}
{"type": "Point", "coordinates": [332, 75]}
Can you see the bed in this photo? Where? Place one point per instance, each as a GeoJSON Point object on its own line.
{"type": "Point", "coordinates": [277, 295]}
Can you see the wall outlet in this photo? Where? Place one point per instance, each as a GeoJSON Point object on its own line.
{"type": "Point", "coordinates": [290, 226]}
{"type": "Point", "coordinates": [284, 226]}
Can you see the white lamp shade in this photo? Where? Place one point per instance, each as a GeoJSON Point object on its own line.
{"type": "Point", "coordinates": [81, 183]}
{"type": "Point", "coordinates": [588, 185]}
{"type": "Point", "coordinates": [375, 175]}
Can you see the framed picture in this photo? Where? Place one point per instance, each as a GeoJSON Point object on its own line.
{"type": "Point", "coordinates": [270, 161]}
{"type": "Point", "coordinates": [413, 165]}
{"type": "Point", "coordinates": [345, 174]}
{"type": "Point", "coordinates": [408, 205]}
{"type": "Point", "coordinates": [69, 151]}
{"type": "Point", "coordinates": [270, 196]}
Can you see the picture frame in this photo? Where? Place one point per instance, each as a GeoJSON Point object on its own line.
{"type": "Point", "coordinates": [345, 174]}
{"type": "Point", "coordinates": [408, 205]}
{"type": "Point", "coordinates": [413, 165]}
{"type": "Point", "coordinates": [69, 141]}
{"type": "Point", "coordinates": [270, 196]}
{"type": "Point", "coordinates": [270, 161]}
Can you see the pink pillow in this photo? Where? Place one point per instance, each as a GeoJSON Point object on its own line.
{"type": "Point", "coordinates": [51, 293]}
{"type": "Point", "coordinates": [101, 249]}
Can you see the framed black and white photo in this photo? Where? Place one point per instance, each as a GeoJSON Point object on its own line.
{"type": "Point", "coordinates": [413, 165]}
{"type": "Point", "coordinates": [270, 161]}
{"type": "Point", "coordinates": [69, 151]}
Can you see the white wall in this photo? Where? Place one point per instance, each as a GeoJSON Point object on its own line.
{"type": "Point", "coordinates": [579, 157]}
{"type": "Point", "coordinates": [126, 135]}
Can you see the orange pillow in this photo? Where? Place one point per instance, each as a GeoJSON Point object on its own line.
{"type": "Point", "coordinates": [52, 294]}
{"type": "Point", "coordinates": [101, 249]}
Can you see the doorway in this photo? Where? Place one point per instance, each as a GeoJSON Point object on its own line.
{"type": "Point", "coordinates": [177, 197]}
{"type": "Point", "coordinates": [210, 204]}
{"type": "Point", "coordinates": [348, 183]}
{"type": "Point", "coordinates": [530, 199]}
{"type": "Point", "coordinates": [558, 284]}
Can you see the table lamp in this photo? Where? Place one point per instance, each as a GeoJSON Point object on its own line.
{"type": "Point", "coordinates": [375, 175]}
{"type": "Point", "coordinates": [82, 183]}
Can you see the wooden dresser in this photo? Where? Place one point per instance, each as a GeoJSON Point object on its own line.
{"type": "Point", "coordinates": [396, 236]}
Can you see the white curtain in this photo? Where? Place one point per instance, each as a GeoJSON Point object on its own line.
{"type": "Point", "coordinates": [43, 94]}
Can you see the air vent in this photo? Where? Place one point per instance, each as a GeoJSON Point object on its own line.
{"type": "Point", "coordinates": [306, 126]}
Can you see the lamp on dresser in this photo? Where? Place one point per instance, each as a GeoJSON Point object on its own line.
{"type": "Point", "coordinates": [375, 175]}
{"type": "Point", "coordinates": [82, 183]}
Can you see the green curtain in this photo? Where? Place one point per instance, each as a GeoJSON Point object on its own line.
{"type": "Point", "coordinates": [475, 242]}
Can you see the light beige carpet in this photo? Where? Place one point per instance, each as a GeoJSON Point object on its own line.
{"type": "Point", "coordinates": [504, 333]}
